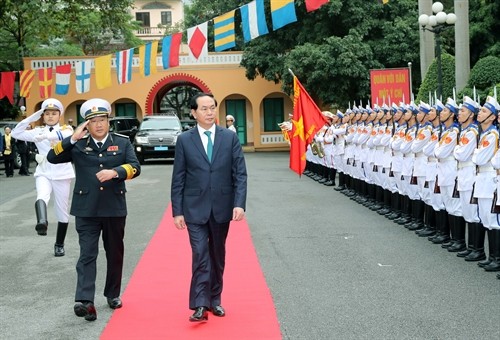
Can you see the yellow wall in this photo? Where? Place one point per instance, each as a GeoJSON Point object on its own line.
{"type": "Point", "coordinates": [226, 81]}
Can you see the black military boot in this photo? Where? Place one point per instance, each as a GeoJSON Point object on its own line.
{"type": "Point", "coordinates": [386, 209]}
{"type": "Point", "coordinates": [429, 222]}
{"type": "Point", "coordinates": [396, 207]}
{"type": "Point", "coordinates": [307, 170]}
{"type": "Point", "coordinates": [406, 209]}
{"type": "Point", "coordinates": [417, 211]}
{"type": "Point", "coordinates": [494, 265]}
{"type": "Point", "coordinates": [459, 243]}
{"type": "Point", "coordinates": [477, 254]}
{"type": "Point", "coordinates": [41, 217]}
{"type": "Point", "coordinates": [443, 227]}
{"type": "Point", "coordinates": [451, 240]}
{"type": "Point", "coordinates": [331, 177]}
{"type": "Point", "coordinates": [488, 260]}
{"type": "Point", "coordinates": [470, 241]}
{"type": "Point", "coordinates": [342, 183]}
{"type": "Point", "coordinates": [62, 228]}
{"type": "Point", "coordinates": [324, 174]}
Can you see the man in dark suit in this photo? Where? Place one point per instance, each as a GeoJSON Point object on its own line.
{"type": "Point", "coordinates": [23, 150]}
{"type": "Point", "coordinates": [103, 161]}
{"type": "Point", "coordinates": [209, 188]}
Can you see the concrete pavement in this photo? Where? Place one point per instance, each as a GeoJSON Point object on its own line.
{"type": "Point", "coordinates": [336, 270]}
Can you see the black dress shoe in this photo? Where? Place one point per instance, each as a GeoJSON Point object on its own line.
{"type": "Point", "coordinates": [41, 228]}
{"type": "Point", "coordinates": [59, 250]}
{"type": "Point", "coordinates": [200, 314]}
{"type": "Point", "coordinates": [218, 311]}
{"type": "Point", "coordinates": [114, 303]}
{"type": "Point", "coordinates": [86, 310]}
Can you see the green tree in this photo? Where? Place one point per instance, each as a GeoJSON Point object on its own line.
{"type": "Point", "coordinates": [429, 84]}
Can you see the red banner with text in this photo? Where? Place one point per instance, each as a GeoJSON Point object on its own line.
{"type": "Point", "coordinates": [390, 86]}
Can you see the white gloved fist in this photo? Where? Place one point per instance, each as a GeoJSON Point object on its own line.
{"type": "Point", "coordinates": [40, 137]}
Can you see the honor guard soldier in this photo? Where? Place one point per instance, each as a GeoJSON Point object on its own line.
{"type": "Point", "coordinates": [496, 165]}
{"type": "Point", "coordinates": [103, 162]}
{"type": "Point", "coordinates": [339, 162]}
{"type": "Point", "coordinates": [484, 187]}
{"type": "Point", "coordinates": [447, 172]}
{"type": "Point", "coordinates": [467, 144]}
{"type": "Point", "coordinates": [397, 164]}
{"type": "Point", "coordinates": [424, 134]}
{"type": "Point", "coordinates": [49, 178]}
{"type": "Point", "coordinates": [412, 203]}
{"type": "Point", "coordinates": [434, 199]}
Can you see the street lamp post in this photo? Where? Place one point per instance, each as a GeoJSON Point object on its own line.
{"type": "Point", "coordinates": [438, 23]}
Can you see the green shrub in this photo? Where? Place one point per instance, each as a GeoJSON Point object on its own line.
{"type": "Point", "coordinates": [430, 83]}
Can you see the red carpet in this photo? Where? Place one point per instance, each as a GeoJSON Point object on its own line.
{"type": "Point", "coordinates": [156, 298]}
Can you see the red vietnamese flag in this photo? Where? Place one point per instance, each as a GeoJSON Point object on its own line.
{"type": "Point", "coordinates": [7, 83]}
{"type": "Point", "coordinates": [45, 82]}
{"type": "Point", "coordinates": [307, 120]}
{"type": "Point", "coordinates": [312, 5]}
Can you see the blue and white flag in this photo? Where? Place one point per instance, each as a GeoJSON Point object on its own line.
{"type": "Point", "coordinates": [253, 19]}
{"type": "Point", "coordinates": [82, 75]}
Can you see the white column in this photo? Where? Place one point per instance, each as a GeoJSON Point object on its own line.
{"type": "Point", "coordinates": [462, 48]}
{"type": "Point", "coordinates": [426, 39]}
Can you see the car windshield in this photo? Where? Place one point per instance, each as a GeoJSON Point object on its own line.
{"type": "Point", "coordinates": [160, 124]}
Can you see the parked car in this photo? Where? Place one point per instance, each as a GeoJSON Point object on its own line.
{"type": "Point", "coordinates": [188, 124]}
{"type": "Point", "coordinates": [125, 126]}
{"type": "Point", "coordinates": [157, 136]}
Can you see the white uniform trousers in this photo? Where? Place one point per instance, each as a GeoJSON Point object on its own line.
{"type": "Point", "coordinates": [451, 204]}
{"type": "Point", "coordinates": [489, 220]}
{"type": "Point", "coordinates": [469, 211]}
{"type": "Point", "coordinates": [61, 189]}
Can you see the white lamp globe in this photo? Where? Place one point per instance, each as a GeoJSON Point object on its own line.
{"type": "Point", "coordinates": [22, 108]}
{"type": "Point", "coordinates": [451, 18]}
{"type": "Point", "coordinates": [423, 20]}
{"type": "Point", "coordinates": [432, 20]}
{"type": "Point", "coordinates": [437, 7]}
{"type": "Point", "coordinates": [441, 17]}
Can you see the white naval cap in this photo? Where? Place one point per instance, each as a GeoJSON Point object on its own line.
{"type": "Point", "coordinates": [340, 114]}
{"type": "Point", "coordinates": [230, 117]}
{"type": "Point", "coordinates": [328, 114]}
{"type": "Point", "coordinates": [95, 107]}
{"type": "Point", "coordinates": [439, 106]}
{"type": "Point", "coordinates": [492, 105]}
{"type": "Point", "coordinates": [470, 104]}
{"type": "Point", "coordinates": [53, 104]}
{"type": "Point", "coordinates": [424, 107]}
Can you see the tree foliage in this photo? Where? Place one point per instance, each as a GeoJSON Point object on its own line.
{"type": "Point", "coordinates": [430, 83]}
{"type": "Point", "coordinates": [28, 27]}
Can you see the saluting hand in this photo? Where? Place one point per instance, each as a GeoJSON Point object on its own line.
{"type": "Point", "coordinates": [80, 131]}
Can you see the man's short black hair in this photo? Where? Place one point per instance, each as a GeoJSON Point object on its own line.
{"type": "Point", "coordinates": [193, 102]}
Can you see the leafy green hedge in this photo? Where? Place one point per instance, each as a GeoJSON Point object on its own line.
{"type": "Point", "coordinates": [430, 83]}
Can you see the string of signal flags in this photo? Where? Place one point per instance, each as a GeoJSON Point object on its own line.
{"type": "Point", "coordinates": [253, 22]}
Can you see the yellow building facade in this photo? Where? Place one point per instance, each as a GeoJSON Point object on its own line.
{"type": "Point", "coordinates": [258, 105]}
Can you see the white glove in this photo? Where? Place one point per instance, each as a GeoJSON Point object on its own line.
{"type": "Point", "coordinates": [35, 116]}
{"type": "Point", "coordinates": [40, 137]}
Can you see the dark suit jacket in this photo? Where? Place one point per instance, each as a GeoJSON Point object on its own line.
{"type": "Point", "coordinates": [13, 148]}
{"type": "Point", "coordinates": [22, 146]}
{"type": "Point", "coordinates": [92, 198]}
{"type": "Point", "coordinates": [200, 187]}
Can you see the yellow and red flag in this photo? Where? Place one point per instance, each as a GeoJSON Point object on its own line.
{"type": "Point", "coordinates": [45, 82]}
{"type": "Point", "coordinates": [25, 82]}
{"type": "Point", "coordinates": [307, 120]}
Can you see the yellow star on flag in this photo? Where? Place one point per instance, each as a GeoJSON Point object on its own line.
{"type": "Point", "coordinates": [299, 128]}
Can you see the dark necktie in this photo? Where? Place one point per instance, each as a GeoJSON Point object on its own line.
{"type": "Point", "coordinates": [210, 145]}
{"type": "Point", "coordinates": [50, 129]}
{"type": "Point", "coordinates": [99, 145]}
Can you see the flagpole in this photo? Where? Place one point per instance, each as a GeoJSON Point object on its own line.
{"type": "Point", "coordinates": [291, 72]}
